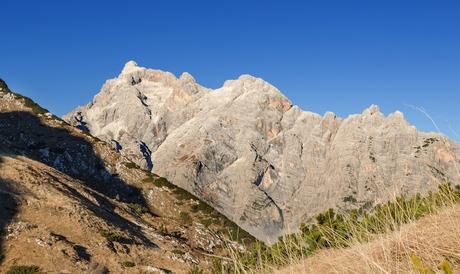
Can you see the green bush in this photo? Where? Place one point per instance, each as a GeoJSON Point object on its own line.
{"type": "Point", "coordinates": [350, 199]}
{"type": "Point", "coordinates": [162, 230]}
{"type": "Point", "coordinates": [159, 182]}
{"type": "Point", "coordinates": [138, 208]}
{"type": "Point", "coordinates": [148, 179]}
{"type": "Point", "coordinates": [207, 222]}
{"type": "Point", "coordinates": [185, 217]}
{"type": "Point", "coordinates": [23, 269]}
{"type": "Point", "coordinates": [128, 264]}
{"type": "Point", "coordinates": [162, 182]}
{"type": "Point", "coordinates": [203, 207]}
{"type": "Point", "coordinates": [111, 236]}
{"type": "Point", "coordinates": [183, 194]}
{"type": "Point", "coordinates": [178, 252]}
{"type": "Point", "coordinates": [131, 165]}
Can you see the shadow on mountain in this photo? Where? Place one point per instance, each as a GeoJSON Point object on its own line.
{"type": "Point", "coordinates": [23, 134]}
{"type": "Point", "coordinates": [8, 209]}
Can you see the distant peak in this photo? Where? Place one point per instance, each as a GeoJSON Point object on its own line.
{"type": "Point", "coordinates": [129, 67]}
{"type": "Point", "coordinates": [373, 109]}
{"type": "Point", "coordinates": [250, 82]}
{"type": "Point", "coordinates": [187, 77]}
{"type": "Point", "coordinates": [248, 77]}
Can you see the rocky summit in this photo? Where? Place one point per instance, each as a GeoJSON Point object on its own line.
{"type": "Point", "coordinates": [249, 152]}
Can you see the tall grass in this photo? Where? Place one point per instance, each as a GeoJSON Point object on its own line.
{"type": "Point", "coordinates": [334, 230]}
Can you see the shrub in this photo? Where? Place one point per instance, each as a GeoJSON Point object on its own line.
{"type": "Point", "coordinates": [138, 208]}
{"type": "Point", "coordinates": [162, 182]}
{"type": "Point", "coordinates": [207, 222]}
{"type": "Point", "coordinates": [148, 179]}
{"type": "Point", "coordinates": [349, 199]}
{"type": "Point", "coordinates": [128, 264]}
{"type": "Point", "coordinates": [111, 236]}
{"type": "Point", "coordinates": [23, 269]}
{"type": "Point", "coordinates": [131, 165]}
{"type": "Point", "coordinates": [185, 217]}
{"type": "Point", "coordinates": [162, 230]}
{"type": "Point", "coordinates": [159, 182]}
{"type": "Point", "coordinates": [183, 194]}
{"type": "Point", "coordinates": [178, 252]}
{"type": "Point", "coordinates": [203, 207]}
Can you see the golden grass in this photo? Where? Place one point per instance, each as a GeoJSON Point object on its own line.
{"type": "Point", "coordinates": [407, 235]}
{"type": "Point", "coordinates": [433, 239]}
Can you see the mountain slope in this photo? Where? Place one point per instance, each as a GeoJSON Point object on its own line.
{"type": "Point", "coordinates": [72, 204]}
{"type": "Point", "coordinates": [258, 159]}
{"type": "Point", "coordinates": [433, 240]}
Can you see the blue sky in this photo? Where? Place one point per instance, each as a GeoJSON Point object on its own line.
{"type": "Point", "coordinates": [339, 56]}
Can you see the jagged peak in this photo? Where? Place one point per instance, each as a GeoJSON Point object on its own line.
{"type": "Point", "coordinates": [130, 66]}
{"type": "Point", "coordinates": [330, 115]}
{"type": "Point", "coordinates": [373, 109]}
{"type": "Point", "coordinates": [187, 77]}
{"type": "Point", "coordinates": [398, 117]}
{"type": "Point", "coordinates": [250, 82]}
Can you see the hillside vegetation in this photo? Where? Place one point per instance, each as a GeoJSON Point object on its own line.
{"type": "Point", "coordinates": [419, 234]}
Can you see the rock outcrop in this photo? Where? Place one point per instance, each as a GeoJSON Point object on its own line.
{"type": "Point", "coordinates": [250, 153]}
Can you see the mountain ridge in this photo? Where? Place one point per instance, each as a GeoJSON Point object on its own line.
{"type": "Point", "coordinates": [256, 157]}
{"type": "Point", "coordinates": [71, 203]}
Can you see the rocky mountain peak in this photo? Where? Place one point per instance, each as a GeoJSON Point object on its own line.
{"type": "Point", "coordinates": [371, 110]}
{"type": "Point", "coordinates": [187, 77]}
{"type": "Point", "coordinates": [130, 67]}
{"type": "Point", "coordinates": [251, 83]}
{"type": "Point", "coordinates": [266, 164]}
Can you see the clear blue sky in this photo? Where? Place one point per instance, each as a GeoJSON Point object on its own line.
{"type": "Point", "coordinates": [324, 55]}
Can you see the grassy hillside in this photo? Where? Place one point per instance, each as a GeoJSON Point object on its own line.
{"type": "Point", "coordinates": [418, 234]}
{"type": "Point", "coordinates": [63, 189]}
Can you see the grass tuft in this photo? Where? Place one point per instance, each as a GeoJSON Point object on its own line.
{"type": "Point", "coordinates": [23, 269]}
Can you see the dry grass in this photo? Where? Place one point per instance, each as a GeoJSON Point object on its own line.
{"type": "Point", "coordinates": [408, 235]}
{"type": "Point", "coordinates": [433, 239]}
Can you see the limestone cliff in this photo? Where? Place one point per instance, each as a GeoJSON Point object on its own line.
{"type": "Point", "coordinates": [257, 158]}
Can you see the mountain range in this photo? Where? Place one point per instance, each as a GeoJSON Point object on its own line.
{"type": "Point", "coordinates": [249, 152]}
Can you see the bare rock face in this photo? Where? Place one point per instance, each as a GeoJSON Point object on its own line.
{"type": "Point", "coordinates": [266, 164]}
